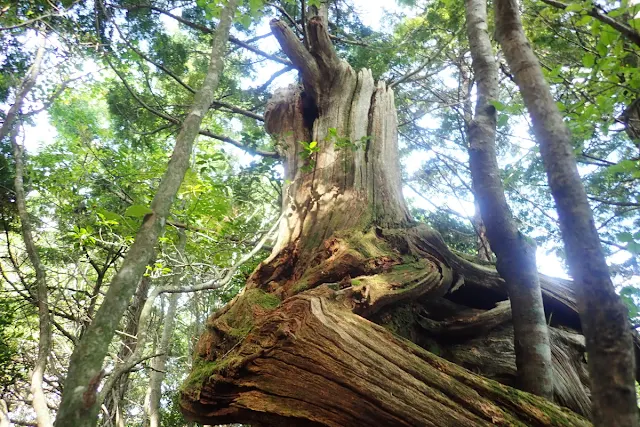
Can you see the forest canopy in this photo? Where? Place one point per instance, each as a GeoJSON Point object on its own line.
{"type": "Point", "coordinates": [197, 196]}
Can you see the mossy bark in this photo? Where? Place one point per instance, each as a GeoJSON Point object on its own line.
{"type": "Point", "coordinates": [303, 343]}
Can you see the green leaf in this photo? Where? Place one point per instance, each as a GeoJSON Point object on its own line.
{"type": "Point", "coordinates": [108, 215]}
{"type": "Point", "coordinates": [588, 60]}
{"type": "Point", "coordinates": [584, 20]}
{"type": "Point", "coordinates": [574, 7]}
{"type": "Point", "coordinates": [618, 12]}
{"type": "Point", "coordinates": [254, 6]}
{"type": "Point", "coordinates": [625, 237]}
{"type": "Point", "coordinates": [499, 106]}
{"type": "Point", "coordinates": [137, 211]}
{"type": "Point", "coordinates": [633, 247]}
{"type": "Point", "coordinates": [625, 166]}
{"type": "Point", "coordinates": [313, 144]}
{"type": "Point", "coordinates": [608, 36]}
{"type": "Point", "coordinates": [245, 20]}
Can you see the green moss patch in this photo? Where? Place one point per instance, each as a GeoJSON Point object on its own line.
{"type": "Point", "coordinates": [368, 244]}
{"type": "Point", "coordinates": [239, 319]}
{"type": "Point", "coordinates": [237, 322]}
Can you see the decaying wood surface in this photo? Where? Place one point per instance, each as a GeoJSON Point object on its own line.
{"type": "Point", "coordinates": [361, 316]}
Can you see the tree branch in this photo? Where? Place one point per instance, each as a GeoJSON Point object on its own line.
{"type": "Point", "coordinates": [238, 110]}
{"type": "Point", "coordinates": [208, 30]}
{"type": "Point", "coordinates": [622, 28]}
{"type": "Point", "coordinates": [302, 60]}
{"type": "Point", "coordinates": [177, 122]}
{"type": "Point", "coordinates": [136, 355]}
{"type": "Point", "coordinates": [239, 144]}
{"type": "Point", "coordinates": [615, 203]}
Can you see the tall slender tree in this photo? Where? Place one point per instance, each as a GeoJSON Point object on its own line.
{"type": "Point", "coordinates": [515, 256]}
{"type": "Point", "coordinates": [164, 346]}
{"type": "Point", "coordinates": [604, 318]}
{"type": "Point", "coordinates": [41, 294]}
{"type": "Point", "coordinates": [79, 401]}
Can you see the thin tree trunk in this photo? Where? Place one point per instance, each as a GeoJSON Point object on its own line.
{"type": "Point", "coordinates": [515, 256]}
{"type": "Point", "coordinates": [79, 406]}
{"type": "Point", "coordinates": [464, 90]}
{"type": "Point", "coordinates": [25, 88]}
{"type": "Point", "coordinates": [603, 316]}
{"type": "Point", "coordinates": [129, 344]}
{"type": "Point", "coordinates": [159, 363]}
{"type": "Point", "coordinates": [43, 418]}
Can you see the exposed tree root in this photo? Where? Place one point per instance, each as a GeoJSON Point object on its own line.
{"type": "Point", "coordinates": [313, 361]}
{"type": "Point", "coordinates": [315, 358]}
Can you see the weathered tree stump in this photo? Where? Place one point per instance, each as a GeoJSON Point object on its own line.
{"type": "Point", "coordinates": [361, 316]}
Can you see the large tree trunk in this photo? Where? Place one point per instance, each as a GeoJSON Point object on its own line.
{"type": "Point", "coordinates": [334, 327]}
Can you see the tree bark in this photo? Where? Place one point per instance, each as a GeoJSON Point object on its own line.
{"type": "Point", "coordinates": [79, 400]}
{"type": "Point", "coordinates": [483, 247]}
{"type": "Point", "coordinates": [159, 363]}
{"type": "Point", "coordinates": [464, 90]}
{"type": "Point", "coordinates": [27, 85]}
{"type": "Point", "coordinates": [604, 317]}
{"type": "Point", "coordinates": [515, 256]}
{"type": "Point", "coordinates": [299, 345]}
{"type": "Point", "coordinates": [43, 417]}
{"type": "Point", "coordinates": [313, 362]}
{"type": "Point", "coordinates": [136, 325]}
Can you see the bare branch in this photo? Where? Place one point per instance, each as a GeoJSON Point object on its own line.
{"type": "Point", "coordinates": [272, 78]}
{"type": "Point", "coordinates": [615, 203]}
{"type": "Point", "coordinates": [238, 110]}
{"type": "Point", "coordinates": [238, 144]}
{"type": "Point", "coordinates": [301, 58]}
